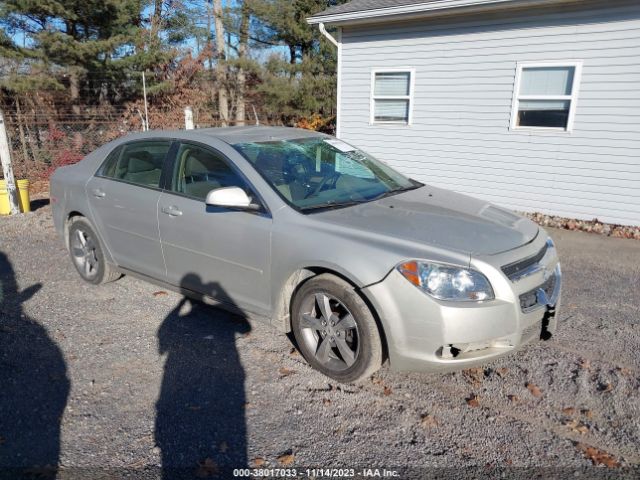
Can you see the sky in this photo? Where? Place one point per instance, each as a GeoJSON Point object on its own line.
{"type": "Point", "coordinates": [23, 40]}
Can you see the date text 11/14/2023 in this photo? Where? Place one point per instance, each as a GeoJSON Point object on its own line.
{"type": "Point", "coordinates": [315, 473]}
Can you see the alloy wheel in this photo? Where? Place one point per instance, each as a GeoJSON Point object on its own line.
{"type": "Point", "coordinates": [329, 331]}
{"type": "Point", "coordinates": [83, 250]}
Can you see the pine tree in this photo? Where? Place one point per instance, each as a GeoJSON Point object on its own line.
{"type": "Point", "coordinates": [89, 47]}
{"type": "Point", "coordinates": [306, 85]}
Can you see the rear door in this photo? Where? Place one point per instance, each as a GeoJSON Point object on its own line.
{"type": "Point", "coordinates": [123, 196]}
{"type": "Point", "coordinates": [222, 253]}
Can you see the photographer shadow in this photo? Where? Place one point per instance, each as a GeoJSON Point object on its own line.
{"type": "Point", "coordinates": [34, 386]}
{"type": "Point", "coordinates": [200, 413]}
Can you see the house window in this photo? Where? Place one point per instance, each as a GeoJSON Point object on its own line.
{"type": "Point", "coordinates": [546, 95]}
{"type": "Point", "coordinates": [392, 96]}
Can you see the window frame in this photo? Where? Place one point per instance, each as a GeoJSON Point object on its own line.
{"type": "Point", "coordinates": [99, 173]}
{"type": "Point", "coordinates": [373, 97]}
{"type": "Point", "coordinates": [173, 160]}
{"type": "Point", "coordinates": [572, 99]}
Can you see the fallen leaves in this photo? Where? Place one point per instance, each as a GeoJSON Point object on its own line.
{"type": "Point", "coordinates": [605, 387]}
{"type": "Point", "coordinates": [513, 398]}
{"type": "Point", "coordinates": [472, 400]}
{"type": "Point", "coordinates": [160, 293]}
{"type": "Point", "coordinates": [587, 413]}
{"type": "Point", "coordinates": [326, 401]}
{"type": "Point", "coordinates": [378, 381]}
{"type": "Point", "coordinates": [257, 462]}
{"type": "Point", "coordinates": [598, 457]}
{"type": "Point", "coordinates": [584, 364]}
{"type": "Point", "coordinates": [502, 372]}
{"type": "Point", "coordinates": [286, 459]}
{"type": "Point", "coordinates": [137, 464]}
{"type": "Point", "coordinates": [576, 426]}
{"type": "Point", "coordinates": [571, 411]}
{"type": "Point", "coordinates": [624, 371]}
{"type": "Point", "coordinates": [207, 468]}
{"type": "Point", "coordinates": [428, 421]}
{"type": "Point", "coordinates": [474, 376]}
{"type": "Point", "coordinates": [534, 389]}
{"type": "Point", "coordinates": [285, 372]}
{"type": "Point", "coordinates": [590, 226]}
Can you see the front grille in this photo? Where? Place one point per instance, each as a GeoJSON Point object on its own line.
{"type": "Point", "coordinates": [513, 270]}
{"type": "Point", "coordinates": [529, 300]}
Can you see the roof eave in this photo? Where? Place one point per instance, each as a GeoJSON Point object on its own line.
{"type": "Point", "coordinates": [421, 10]}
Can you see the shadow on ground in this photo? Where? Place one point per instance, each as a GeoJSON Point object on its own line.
{"type": "Point", "coordinates": [39, 203]}
{"type": "Point", "coordinates": [33, 386]}
{"type": "Point", "coordinates": [200, 421]}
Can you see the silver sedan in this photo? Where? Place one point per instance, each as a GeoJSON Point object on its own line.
{"type": "Point", "coordinates": [314, 236]}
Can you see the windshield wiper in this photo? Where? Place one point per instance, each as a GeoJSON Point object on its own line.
{"type": "Point", "coordinates": [393, 191]}
{"type": "Point", "coordinates": [329, 206]}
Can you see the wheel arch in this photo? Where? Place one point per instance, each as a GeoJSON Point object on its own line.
{"type": "Point", "coordinates": [283, 304]}
{"type": "Point", "coordinates": [70, 218]}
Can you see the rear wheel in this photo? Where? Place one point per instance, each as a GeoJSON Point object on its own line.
{"type": "Point", "coordinates": [87, 254]}
{"type": "Point", "coordinates": [335, 330]}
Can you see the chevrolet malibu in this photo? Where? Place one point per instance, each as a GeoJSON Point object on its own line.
{"type": "Point", "coordinates": [314, 236]}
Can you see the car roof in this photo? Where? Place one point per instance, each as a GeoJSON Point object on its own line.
{"type": "Point", "coordinates": [233, 135]}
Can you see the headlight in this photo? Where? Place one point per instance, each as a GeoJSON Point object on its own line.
{"type": "Point", "coordinates": [447, 283]}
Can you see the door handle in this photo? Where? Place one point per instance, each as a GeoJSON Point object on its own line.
{"type": "Point", "coordinates": [98, 193]}
{"type": "Point", "coordinates": [172, 211]}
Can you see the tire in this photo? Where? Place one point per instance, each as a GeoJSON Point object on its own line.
{"type": "Point", "coordinates": [87, 253]}
{"type": "Point", "coordinates": [324, 342]}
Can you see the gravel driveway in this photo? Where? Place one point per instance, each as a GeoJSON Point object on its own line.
{"type": "Point", "coordinates": [120, 379]}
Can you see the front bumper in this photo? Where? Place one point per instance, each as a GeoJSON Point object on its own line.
{"type": "Point", "coordinates": [426, 334]}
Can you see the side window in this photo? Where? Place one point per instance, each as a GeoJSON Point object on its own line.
{"type": "Point", "coordinates": [138, 162]}
{"type": "Point", "coordinates": [108, 167]}
{"type": "Point", "coordinates": [199, 170]}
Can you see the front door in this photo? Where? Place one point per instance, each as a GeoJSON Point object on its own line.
{"type": "Point", "coordinates": [222, 253]}
{"type": "Point", "coordinates": [124, 196]}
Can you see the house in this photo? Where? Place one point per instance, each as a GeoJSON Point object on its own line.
{"type": "Point", "coordinates": [531, 104]}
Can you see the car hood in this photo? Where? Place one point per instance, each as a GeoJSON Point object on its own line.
{"type": "Point", "coordinates": [441, 218]}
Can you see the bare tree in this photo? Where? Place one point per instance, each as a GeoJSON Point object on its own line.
{"type": "Point", "coordinates": [221, 73]}
{"type": "Point", "coordinates": [243, 48]}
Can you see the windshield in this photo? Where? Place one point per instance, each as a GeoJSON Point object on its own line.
{"type": "Point", "coordinates": [323, 172]}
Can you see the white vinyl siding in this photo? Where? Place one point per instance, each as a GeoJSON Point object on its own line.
{"type": "Point", "coordinates": [461, 134]}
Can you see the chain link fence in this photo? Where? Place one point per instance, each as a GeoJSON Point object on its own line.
{"type": "Point", "coordinates": [40, 142]}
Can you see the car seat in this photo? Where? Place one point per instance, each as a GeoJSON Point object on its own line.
{"type": "Point", "coordinates": [275, 167]}
{"type": "Point", "coordinates": [200, 174]}
{"type": "Point", "coordinates": [142, 170]}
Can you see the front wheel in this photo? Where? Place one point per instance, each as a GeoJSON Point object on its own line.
{"type": "Point", "coordinates": [335, 330]}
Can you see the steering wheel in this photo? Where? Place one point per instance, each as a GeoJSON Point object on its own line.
{"type": "Point", "coordinates": [331, 179]}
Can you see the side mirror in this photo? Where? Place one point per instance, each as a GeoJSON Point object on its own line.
{"type": "Point", "coordinates": [230, 197]}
